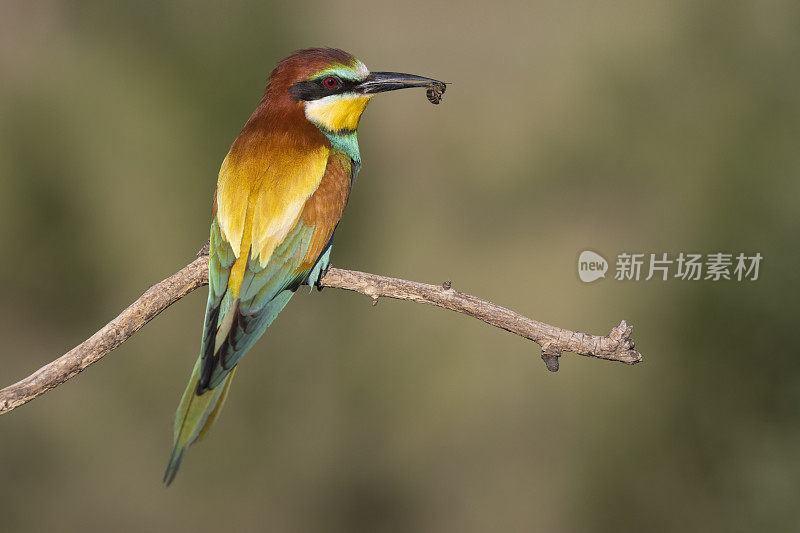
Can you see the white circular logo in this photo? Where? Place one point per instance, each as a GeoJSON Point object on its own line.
{"type": "Point", "coordinates": [591, 266]}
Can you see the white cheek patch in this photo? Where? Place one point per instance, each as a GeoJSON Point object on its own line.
{"type": "Point", "coordinates": [318, 111]}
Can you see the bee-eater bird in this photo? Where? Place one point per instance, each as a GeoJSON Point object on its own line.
{"type": "Point", "coordinates": [280, 194]}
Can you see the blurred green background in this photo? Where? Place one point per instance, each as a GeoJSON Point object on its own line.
{"type": "Point", "coordinates": [623, 126]}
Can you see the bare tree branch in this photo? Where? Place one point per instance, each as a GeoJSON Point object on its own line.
{"type": "Point", "coordinates": [617, 346]}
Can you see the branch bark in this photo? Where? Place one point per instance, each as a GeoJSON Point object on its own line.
{"type": "Point", "coordinates": [616, 346]}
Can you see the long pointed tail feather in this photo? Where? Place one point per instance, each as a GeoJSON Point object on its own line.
{"type": "Point", "coordinates": [195, 415]}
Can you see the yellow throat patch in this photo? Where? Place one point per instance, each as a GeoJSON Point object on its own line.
{"type": "Point", "coordinates": [337, 112]}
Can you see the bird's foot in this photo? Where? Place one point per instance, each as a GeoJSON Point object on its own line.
{"type": "Point", "coordinates": [322, 273]}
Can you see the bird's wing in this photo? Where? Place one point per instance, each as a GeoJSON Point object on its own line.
{"type": "Point", "coordinates": [273, 261]}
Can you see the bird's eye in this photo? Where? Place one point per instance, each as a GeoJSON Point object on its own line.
{"type": "Point", "coordinates": [330, 82]}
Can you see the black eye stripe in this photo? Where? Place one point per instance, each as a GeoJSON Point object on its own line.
{"type": "Point", "coordinates": [316, 89]}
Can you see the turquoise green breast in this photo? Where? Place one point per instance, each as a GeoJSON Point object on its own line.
{"type": "Point", "coordinates": [346, 142]}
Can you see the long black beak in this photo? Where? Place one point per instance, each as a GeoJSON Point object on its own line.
{"type": "Point", "coordinates": [378, 82]}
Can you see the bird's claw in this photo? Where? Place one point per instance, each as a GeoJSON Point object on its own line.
{"type": "Point", "coordinates": [322, 272]}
